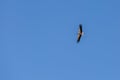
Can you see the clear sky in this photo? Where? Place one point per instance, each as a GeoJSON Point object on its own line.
{"type": "Point", "coordinates": [38, 40]}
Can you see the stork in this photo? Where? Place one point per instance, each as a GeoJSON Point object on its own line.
{"type": "Point", "coordinates": [80, 33]}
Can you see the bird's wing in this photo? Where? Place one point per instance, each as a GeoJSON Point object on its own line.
{"type": "Point", "coordinates": [78, 38]}
{"type": "Point", "coordinates": [80, 28]}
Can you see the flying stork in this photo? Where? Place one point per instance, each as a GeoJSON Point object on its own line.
{"type": "Point", "coordinates": [80, 33]}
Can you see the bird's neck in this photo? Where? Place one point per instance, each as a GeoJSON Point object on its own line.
{"type": "Point", "coordinates": [82, 33]}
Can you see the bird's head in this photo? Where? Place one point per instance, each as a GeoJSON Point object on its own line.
{"type": "Point", "coordinates": [82, 33]}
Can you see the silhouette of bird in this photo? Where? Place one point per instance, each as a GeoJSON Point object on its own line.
{"type": "Point", "coordinates": [80, 33]}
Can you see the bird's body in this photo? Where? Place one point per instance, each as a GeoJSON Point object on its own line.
{"type": "Point", "coordinates": [80, 33]}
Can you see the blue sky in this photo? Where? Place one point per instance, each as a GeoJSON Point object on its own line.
{"type": "Point", "coordinates": [38, 40]}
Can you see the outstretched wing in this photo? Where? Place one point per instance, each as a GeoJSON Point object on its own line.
{"type": "Point", "coordinates": [78, 38]}
{"type": "Point", "coordinates": [80, 28]}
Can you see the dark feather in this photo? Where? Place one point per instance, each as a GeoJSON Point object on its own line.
{"type": "Point", "coordinates": [80, 28]}
{"type": "Point", "coordinates": [78, 39]}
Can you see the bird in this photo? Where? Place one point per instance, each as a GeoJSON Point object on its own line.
{"type": "Point", "coordinates": [80, 33]}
